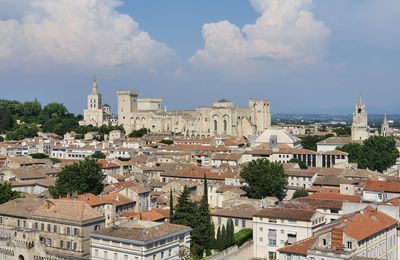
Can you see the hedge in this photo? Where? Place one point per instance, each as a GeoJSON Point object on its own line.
{"type": "Point", "coordinates": [243, 235]}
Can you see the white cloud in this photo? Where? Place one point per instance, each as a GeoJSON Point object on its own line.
{"type": "Point", "coordinates": [90, 33]}
{"type": "Point", "coordinates": [286, 30]}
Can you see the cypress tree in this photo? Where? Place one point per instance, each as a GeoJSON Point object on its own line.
{"type": "Point", "coordinates": [230, 232]}
{"type": "Point", "coordinates": [224, 238]}
{"type": "Point", "coordinates": [212, 238]}
{"type": "Point", "coordinates": [219, 239]}
{"type": "Point", "coordinates": [171, 207]}
{"type": "Point", "coordinates": [202, 232]}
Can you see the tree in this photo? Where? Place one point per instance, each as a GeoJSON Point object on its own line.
{"type": "Point", "coordinates": [224, 238]}
{"type": "Point", "coordinates": [6, 122]}
{"type": "Point", "coordinates": [171, 207]}
{"type": "Point", "coordinates": [138, 133]}
{"type": "Point", "coordinates": [212, 238]}
{"type": "Point", "coordinates": [166, 141]}
{"type": "Point", "coordinates": [6, 193]}
{"type": "Point", "coordinates": [202, 231]}
{"type": "Point", "coordinates": [219, 239]}
{"type": "Point", "coordinates": [185, 210]}
{"type": "Point", "coordinates": [82, 177]}
{"type": "Point", "coordinates": [98, 155]}
{"type": "Point", "coordinates": [300, 193]}
{"type": "Point", "coordinates": [310, 141]}
{"type": "Point", "coordinates": [1, 139]}
{"type": "Point", "coordinates": [39, 156]}
{"type": "Point", "coordinates": [230, 231]}
{"type": "Point", "coordinates": [264, 179]}
{"type": "Point", "coordinates": [343, 131]}
{"type": "Point", "coordinates": [376, 153]}
{"type": "Point", "coordinates": [354, 151]}
{"type": "Point", "coordinates": [301, 164]}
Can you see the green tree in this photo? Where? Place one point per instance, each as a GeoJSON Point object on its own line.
{"type": "Point", "coordinates": [301, 164]}
{"type": "Point", "coordinates": [166, 141]}
{"type": "Point", "coordinates": [300, 193]}
{"type": "Point", "coordinates": [22, 132]}
{"type": "Point", "coordinates": [310, 141]}
{"type": "Point", "coordinates": [213, 238]}
{"type": "Point", "coordinates": [171, 207]}
{"type": "Point", "coordinates": [1, 139]}
{"type": "Point", "coordinates": [219, 245]}
{"type": "Point", "coordinates": [342, 131]}
{"type": "Point", "coordinates": [185, 210]}
{"type": "Point", "coordinates": [82, 177]}
{"type": "Point", "coordinates": [39, 156]}
{"type": "Point", "coordinates": [354, 151]}
{"type": "Point", "coordinates": [6, 193]}
{"type": "Point", "coordinates": [98, 155]}
{"type": "Point", "coordinates": [230, 230]}
{"type": "Point", "coordinates": [224, 238]}
{"type": "Point", "coordinates": [376, 153]}
{"type": "Point", "coordinates": [54, 110]}
{"type": "Point", "coordinates": [202, 231]}
{"type": "Point", "coordinates": [6, 122]}
{"type": "Point", "coordinates": [264, 179]}
{"type": "Point", "coordinates": [138, 133]}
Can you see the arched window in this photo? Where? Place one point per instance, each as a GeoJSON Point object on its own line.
{"type": "Point", "coordinates": [215, 125]}
{"type": "Point", "coordinates": [225, 126]}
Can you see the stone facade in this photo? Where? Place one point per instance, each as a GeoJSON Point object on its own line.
{"type": "Point", "coordinates": [359, 127]}
{"type": "Point", "coordinates": [223, 118]}
{"type": "Point", "coordinates": [96, 113]}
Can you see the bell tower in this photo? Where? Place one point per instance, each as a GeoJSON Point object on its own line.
{"type": "Point", "coordinates": [94, 98]}
{"type": "Point", "coordinates": [359, 127]}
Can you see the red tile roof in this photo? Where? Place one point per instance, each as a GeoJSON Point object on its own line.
{"type": "Point", "coordinates": [387, 186]}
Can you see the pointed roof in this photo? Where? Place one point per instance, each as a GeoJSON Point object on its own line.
{"type": "Point", "coordinates": [385, 120]}
{"type": "Point", "coordinates": [95, 90]}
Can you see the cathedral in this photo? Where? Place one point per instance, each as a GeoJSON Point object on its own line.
{"type": "Point", "coordinates": [359, 127]}
{"type": "Point", "coordinates": [95, 113]}
{"type": "Point", "coordinates": [222, 118]}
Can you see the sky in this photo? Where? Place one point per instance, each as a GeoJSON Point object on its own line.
{"type": "Point", "coordinates": [305, 56]}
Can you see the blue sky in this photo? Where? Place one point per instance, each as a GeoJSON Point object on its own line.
{"type": "Point", "coordinates": [305, 56]}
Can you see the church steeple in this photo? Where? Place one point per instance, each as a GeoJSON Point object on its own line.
{"type": "Point", "coordinates": [95, 90]}
{"type": "Point", "coordinates": [385, 127]}
{"type": "Point", "coordinates": [94, 98]}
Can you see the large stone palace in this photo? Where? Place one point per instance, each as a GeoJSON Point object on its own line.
{"type": "Point", "coordinates": [222, 118]}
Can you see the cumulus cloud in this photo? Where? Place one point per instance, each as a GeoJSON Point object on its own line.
{"type": "Point", "coordinates": [286, 30]}
{"type": "Point", "coordinates": [90, 33]}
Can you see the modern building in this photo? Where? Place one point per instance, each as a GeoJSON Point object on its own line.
{"type": "Point", "coordinates": [140, 240]}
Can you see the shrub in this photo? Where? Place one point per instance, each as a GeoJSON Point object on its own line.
{"type": "Point", "coordinates": [243, 235]}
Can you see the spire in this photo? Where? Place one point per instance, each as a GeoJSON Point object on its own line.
{"type": "Point", "coordinates": [385, 120]}
{"type": "Point", "coordinates": [360, 99]}
{"type": "Point", "coordinates": [95, 91]}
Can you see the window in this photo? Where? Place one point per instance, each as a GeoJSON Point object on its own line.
{"type": "Point", "coordinates": [61, 244]}
{"type": "Point", "coordinates": [219, 220]}
{"type": "Point", "coordinates": [236, 222]}
{"type": "Point", "coordinates": [69, 246]}
{"type": "Point", "coordinates": [36, 226]}
{"type": "Point", "coordinates": [324, 242]}
{"type": "Point", "coordinates": [105, 254]}
{"type": "Point", "coordinates": [349, 245]}
{"type": "Point", "coordinates": [162, 255]}
{"type": "Point", "coordinates": [68, 231]}
{"type": "Point", "coordinates": [48, 228]}
{"type": "Point", "coordinates": [76, 232]}
{"type": "Point", "coordinates": [115, 256]}
{"type": "Point", "coordinates": [42, 227]}
{"type": "Point", "coordinates": [261, 229]}
{"type": "Point", "coordinates": [261, 239]}
{"type": "Point", "coordinates": [96, 252]}
{"type": "Point", "coordinates": [243, 223]}
{"type": "Point", "coordinates": [125, 257]}
{"type": "Point", "coordinates": [55, 228]}
{"type": "Point", "coordinates": [75, 246]}
{"type": "Point", "coordinates": [272, 220]}
{"type": "Point", "coordinates": [272, 242]}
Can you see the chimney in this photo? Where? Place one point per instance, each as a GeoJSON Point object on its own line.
{"type": "Point", "coordinates": [337, 238]}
